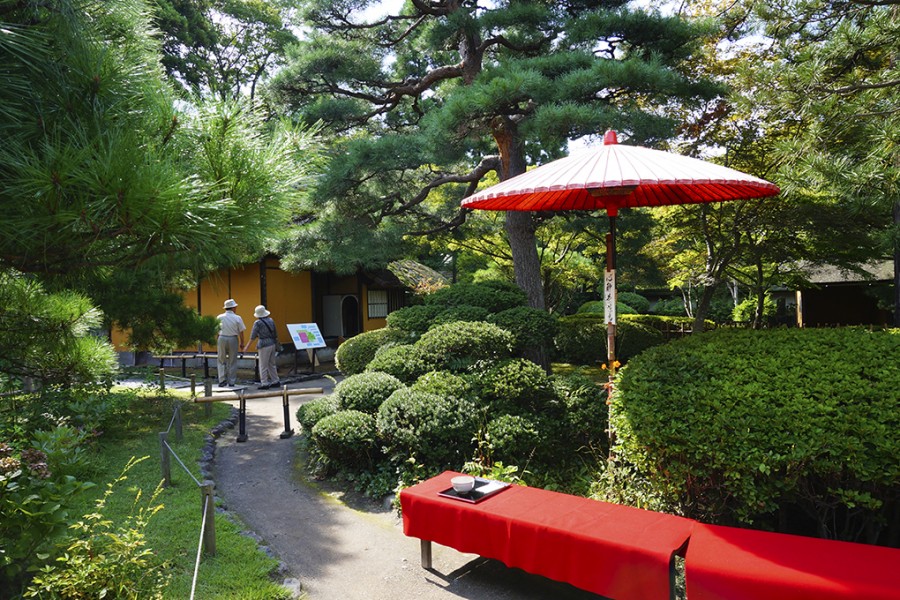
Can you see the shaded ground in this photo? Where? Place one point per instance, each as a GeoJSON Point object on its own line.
{"type": "Point", "coordinates": [341, 547]}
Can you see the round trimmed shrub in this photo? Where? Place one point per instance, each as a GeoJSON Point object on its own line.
{"type": "Point", "coordinates": [457, 346]}
{"type": "Point", "coordinates": [405, 362]}
{"type": "Point", "coordinates": [436, 430]}
{"type": "Point", "coordinates": [517, 386]}
{"type": "Point", "coordinates": [445, 383]}
{"type": "Point", "coordinates": [355, 353]}
{"type": "Point", "coordinates": [414, 320]}
{"type": "Point", "coordinates": [346, 439]}
{"type": "Point", "coordinates": [514, 439]}
{"type": "Point", "coordinates": [586, 409]}
{"type": "Point", "coordinates": [743, 427]}
{"type": "Point", "coordinates": [494, 296]}
{"type": "Point", "coordinates": [310, 413]}
{"type": "Point", "coordinates": [461, 313]}
{"type": "Point", "coordinates": [598, 307]}
{"type": "Point", "coordinates": [366, 391]}
{"type": "Point", "coordinates": [531, 327]}
{"type": "Point", "coordinates": [640, 304]}
{"type": "Point", "coordinates": [674, 307]}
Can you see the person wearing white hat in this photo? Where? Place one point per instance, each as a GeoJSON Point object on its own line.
{"type": "Point", "coordinates": [231, 338]}
{"type": "Point", "coordinates": [266, 334]}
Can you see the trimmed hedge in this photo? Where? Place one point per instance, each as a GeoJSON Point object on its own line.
{"type": "Point", "coordinates": [514, 439]}
{"type": "Point", "coordinates": [346, 439]}
{"type": "Point", "coordinates": [582, 338]}
{"type": "Point", "coordinates": [531, 327]}
{"type": "Point", "coordinates": [494, 296]}
{"type": "Point", "coordinates": [796, 430]}
{"type": "Point", "coordinates": [460, 313]}
{"type": "Point", "coordinates": [309, 413]}
{"type": "Point", "coordinates": [405, 362]}
{"type": "Point", "coordinates": [635, 301]}
{"type": "Point", "coordinates": [366, 391]}
{"type": "Point", "coordinates": [457, 346]}
{"type": "Point", "coordinates": [517, 386]}
{"type": "Point", "coordinates": [355, 353]}
{"type": "Point", "coordinates": [435, 430]}
{"type": "Point", "coordinates": [413, 320]}
{"type": "Point", "coordinates": [446, 384]}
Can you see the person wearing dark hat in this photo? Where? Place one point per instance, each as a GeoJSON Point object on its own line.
{"type": "Point", "coordinates": [231, 338]}
{"type": "Point", "coordinates": [266, 334]}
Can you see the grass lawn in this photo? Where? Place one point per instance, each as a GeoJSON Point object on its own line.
{"type": "Point", "coordinates": [239, 569]}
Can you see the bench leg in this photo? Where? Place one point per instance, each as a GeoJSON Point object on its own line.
{"type": "Point", "coordinates": [426, 553]}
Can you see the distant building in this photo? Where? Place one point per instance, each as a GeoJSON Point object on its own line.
{"type": "Point", "coordinates": [836, 296]}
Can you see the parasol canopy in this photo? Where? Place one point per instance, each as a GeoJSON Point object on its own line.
{"type": "Point", "coordinates": [615, 176]}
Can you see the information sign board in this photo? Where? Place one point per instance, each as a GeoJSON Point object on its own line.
{"type": "Point", "coordinates": [306, 336]}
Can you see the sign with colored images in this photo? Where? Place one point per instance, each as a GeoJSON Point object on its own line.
{"type": "Point", "coordinates": [306, 336]}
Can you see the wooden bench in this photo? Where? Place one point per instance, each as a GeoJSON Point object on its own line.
{"type": "Point", "coordinates": [616, 551]}
{"type": "Point", "coordinates": [744, 564]}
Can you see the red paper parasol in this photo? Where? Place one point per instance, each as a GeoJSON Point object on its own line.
{"type": "Point", "coordinates": [617, 176]}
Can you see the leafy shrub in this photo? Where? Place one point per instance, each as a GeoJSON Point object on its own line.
{"type": "Point", "coordinates": [355, 353]}
{"type": "Point", "coordinates": [494, 296]}
{"type": "Point", "coordinates": [346, 439]}
{"type": "Point", "coordinates": [597, 307]}
{"type": "Point", "coordinates": [514, 439]}
{"type": "Point", "coordinates": [310, 413]}
{"type": "Point", "coordinates": [366, 391]}
{"type": "Point", "coordinates": [586, 410]}
{"type": "Point", "coordinates": [414, 320]}
{"type": "Point", "coordinates": [63, 448]}
{"type": "Point", "coordinates": [461, 313]}
{"type": "Point", "coordinates": [765, 427]}
{"type": "Point", "coordinates": [446, 384]}
{"type": "Point", "coordinates": [531, 327]}
{"type": "Point", "coordinates": [674, 307]}
{"type": "Point", "coordinates": [582, 338]}
{"type": "Point", "coordinates": [104, 560]}
{"type": "Point", "coordinates": [405, 362]}
{"type": "Point", "coordinates": [745, 311]}
{"type": "Point", "coordinates": [457, 346]}
{"type": "Point", "coordinates": [637, 302]}
{"type": "Point", "coordinates": [516, 386]}
{"type": "Point", "coordinates": [435, 430]}
{"type": "Point", "coordinates": [32, 512]}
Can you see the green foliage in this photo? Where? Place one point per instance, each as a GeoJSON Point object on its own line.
{"type": "Point", "coordinates": [516, 386]}
{"type": "Point", "coordinates": [34, 504]}
{"type": "Point", "coordinates": [531, 327]}
{"type": "Point", "coordinates": [745, 311]}
{"type": "Point", "coordinates": [597, 307]}
{"type": "Point", "coordinates": [103, 559]}
{"type": "Point", "coordinates": [64, 449]}
{"type": "Point", "coordinates": [48, 337]}
{"type": "Point", "coordinates": [582, 338]}
{"type": "Point", "coordinates": [674, 307]}
{"type": "Point", "coordinates": [405, 362]}
{"type": "Point", "coordinates": [586, 410]}
{"type": "Point", "coordinates": [640, 304]}
{"type": "Point", "coordinates": [366, 391]}
{"type": "Point", "coordinates": [741, 426]}
{"type": "Point", "coordinates": [461, 313]}
{"type": "Point", "coordinates": [458, 346]}
{"type": "Point", "coordinates": [355, 353]}
{"type": "Point", "coordinates": [346, 439]}
{"type": "Point", "coordinates": [414, 320]}
{"type": "Point", "coordinates": [432, 430]}
{"type": "Point", "coordinates": [494, 296]}
{"type": "Point", "coordinates": [445, 384]}
{"type": "Point", "coordinates": [310, 413]}
{"type": "Point", "coordinates": [513, 439]}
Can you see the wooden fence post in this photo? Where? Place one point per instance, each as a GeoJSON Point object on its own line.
{"type": "Point", "coordinates": [193, 385]}
{"type": "Point", "coordinates": [208, 509]}
{"type": "Point", "coordinates": [162, 380]}
{"type": "Point", "coordinates": [207, 392]}
{"type": "Point", "coordinates": [164, 458]}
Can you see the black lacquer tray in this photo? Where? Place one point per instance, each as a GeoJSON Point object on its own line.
{"type": "Point", "coordinates": [484, 488]}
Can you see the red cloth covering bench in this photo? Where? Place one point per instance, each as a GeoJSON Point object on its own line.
{"type": "Point", "coordinates": [616, 551]}
{"type": "Point", "coordinates": [728, 563]}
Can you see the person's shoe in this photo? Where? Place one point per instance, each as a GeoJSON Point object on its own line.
{"type": "Point", "coordinates": [222, 384]}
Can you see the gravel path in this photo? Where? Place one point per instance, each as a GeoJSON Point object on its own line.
{"type": "Point", "coordinates": [341, 548]}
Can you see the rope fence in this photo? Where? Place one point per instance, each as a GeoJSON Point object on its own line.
{"type": "Point", "coordinates": [207, 542]}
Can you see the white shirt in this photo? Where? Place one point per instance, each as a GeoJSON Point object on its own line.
{"type": "Point", "coordinates": [230, 323]}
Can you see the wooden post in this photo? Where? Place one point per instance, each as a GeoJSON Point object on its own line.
{"type": "Point", "coordinates": [162, 380]}
{"type": "Point", "coordinates": [164, 458]}
{"type": "Point", "coordinates": [207, 391]}
{"type": "Point", "coordinates": [288, 432]}
{"type": "Point", "coordinates": [193, 385]}
{"type": "Point", "coordinates": [179, 435]}
{"type": "Point", "coordinates": [208, 509]}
